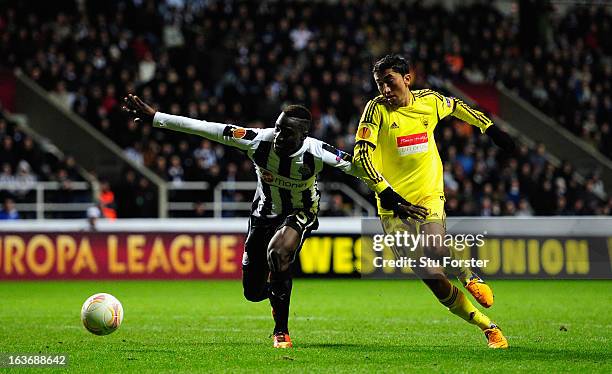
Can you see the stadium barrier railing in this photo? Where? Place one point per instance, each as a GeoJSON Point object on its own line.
{"type": "Point", "coordinates": [41, 206]}
{"type": "Point", "coordinates": [361, 206]}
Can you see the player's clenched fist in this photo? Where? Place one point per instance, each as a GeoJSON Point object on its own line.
{"type": "Point", "coordinates": [138, 108]}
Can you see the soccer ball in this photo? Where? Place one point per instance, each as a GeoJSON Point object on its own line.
{"type": "Point", "coordinates": [102, 314]}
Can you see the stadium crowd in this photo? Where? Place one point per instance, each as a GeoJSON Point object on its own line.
{"type": "Point", "coordinates": [240, 61]}
{"type": "Point", "coordinates": [24, 163]}
{"type": "Point", "coordinates": [568, 75]}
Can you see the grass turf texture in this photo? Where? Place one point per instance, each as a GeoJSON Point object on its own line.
{"type": "Point", "coordinates": [336, 325]}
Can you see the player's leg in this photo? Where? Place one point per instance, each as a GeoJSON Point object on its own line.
{"type": "Point", "coordinates": [469, 279]}
{"type": "Point", "coordinates": [282, 250]}
{"type": "Point", "coordinates": [448, 294]}
{"type": "Point", "coordinates": [437, 281]}
{"type": "Point", "coordinates": [255, 270]}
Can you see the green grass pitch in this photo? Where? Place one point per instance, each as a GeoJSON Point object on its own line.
{"type": "Point", "coordinates": [336, 325]}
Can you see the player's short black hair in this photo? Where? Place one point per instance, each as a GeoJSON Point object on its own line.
{"type": "Point", "coordinates": [299, 112]}
{"type": "Point", "coordinates": [397, 63]}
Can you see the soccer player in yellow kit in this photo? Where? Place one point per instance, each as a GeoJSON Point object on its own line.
{"type": "Point", "coordinates": [395, 145]}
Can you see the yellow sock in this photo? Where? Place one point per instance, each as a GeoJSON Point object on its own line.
{"type": "Point", "coordinates": [458, 304]}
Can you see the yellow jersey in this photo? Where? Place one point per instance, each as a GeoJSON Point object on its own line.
{"type": "Point", "coordinates": [405, 155]}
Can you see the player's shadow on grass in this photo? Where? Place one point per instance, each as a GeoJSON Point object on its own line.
{"type": "Point", "coordinates": [532, 353]}
{"type": "Point", "coordinates": [551, 354]}
{"type": "Point", "coordinates": [343, 346]}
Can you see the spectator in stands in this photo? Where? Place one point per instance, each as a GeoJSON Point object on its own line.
{"type": "Point", "coordinates": [93, 214]}
{"type": "Point", "coordinates": [25, 181]}
{"type": "Point", "coordinates": [9, 211]}
{"type": "Point", "coordinates": [107, 201]}
{"type": "Point", "coordinates": [336, 208]}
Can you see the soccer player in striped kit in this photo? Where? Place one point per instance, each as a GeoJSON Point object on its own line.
{"type": "Point", "coordinates": [286, 202]}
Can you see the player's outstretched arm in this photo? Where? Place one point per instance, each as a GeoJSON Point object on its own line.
{"type": "Point", "coordinates": [477, 118]}
{"type": "Point", "coordinates": [219, 132]}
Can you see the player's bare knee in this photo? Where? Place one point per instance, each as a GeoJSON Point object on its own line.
{"type": "Point", "coordinates": [280, 255]}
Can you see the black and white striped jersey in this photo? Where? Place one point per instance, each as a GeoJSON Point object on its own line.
{"type": "Point", "coordinates": [284, 184]}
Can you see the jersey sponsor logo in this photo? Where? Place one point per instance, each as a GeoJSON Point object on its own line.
{"type": "Point", "coordinates": [364, 133]}
{"type": "Point", "coordinates": [267, 176]}
{"type": "Point", "coordinates": [238, 132]}
{"type": "Point", "coordinates": [411, 144]}
{"type": "Point", "coordinates": [287, 183]}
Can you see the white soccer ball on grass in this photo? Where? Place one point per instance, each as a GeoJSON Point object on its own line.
{"type": "Point", "coordinates": [102, 314]}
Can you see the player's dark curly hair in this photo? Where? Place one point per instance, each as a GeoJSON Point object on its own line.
{"type": "Point", "coordinates": [396, 63]}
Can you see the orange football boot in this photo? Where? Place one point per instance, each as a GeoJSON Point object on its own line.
{"type": "Point", "coordinates": [282, 340]}
{"type": "Point", "coordinates": [480, 290]}
{"type": "Point", "coordinates": [495, 338]}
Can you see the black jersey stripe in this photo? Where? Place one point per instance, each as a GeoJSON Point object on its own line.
{"type": "Point", "coordinates": [371, 107]}
{"type": "Point", "coordinates": [284, 170]}
{"type": "Point", "coordinates": [422, 92]}
{"type": "Point", "coordinates": [262, 153]}
{"type": "Point", "coordinates": [437, 95]}
{"type": "Point", "coordinates": [478, 115]}
{"type": "Point", "coordinates": [284, 167]}
{"type": "Point", "coordinates": [369, 112]}
{"type": "Point", "coordinates": [309, 166]}
{"type": "Point", "coordinates": [260, 157]}
{"type": "Point", "coordinates": [309, 169]}
{"type": "Point", "coordinates": [367, 163]}
{"type": "Point", "coordinates": [427, 93]}
{"type": "Point", "coordinates": [266, 208]}
{"type": "Point", "coordinates": [307, 200]}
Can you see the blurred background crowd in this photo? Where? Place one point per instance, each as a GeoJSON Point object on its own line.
{"type": "Point", "coordinates": [240, 61]}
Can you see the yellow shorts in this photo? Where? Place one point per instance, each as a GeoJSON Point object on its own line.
{"type": "Point", "coordinates": [398, 226]}
{"type": "Point", "coordinates": [435, 209]}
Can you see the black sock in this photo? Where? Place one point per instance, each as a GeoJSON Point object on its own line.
{"type": "Point", "coordinates": [280, 295]}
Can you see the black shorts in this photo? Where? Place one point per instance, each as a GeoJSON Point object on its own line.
{"type": "Point", "coordinates": [261, 231]}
